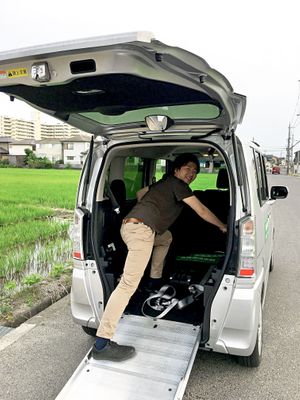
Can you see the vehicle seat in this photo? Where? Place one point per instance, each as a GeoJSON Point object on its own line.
{"type": "Point", "coordinates": [217, 200]}
{"type": "Point", "coordinates": [191, 234]}
{"type": "Point", "coordinates": [222, 179]}
{"type": "Point", "coordinates": [118, 189]}
{"type": "Point", "coordinates": [114, 247]}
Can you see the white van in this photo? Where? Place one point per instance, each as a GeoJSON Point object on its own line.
{"type": "Point", "coordinates": [145, 103]}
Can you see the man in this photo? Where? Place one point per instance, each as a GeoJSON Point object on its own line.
{"type": "Point", "coordinates": [145, 232]}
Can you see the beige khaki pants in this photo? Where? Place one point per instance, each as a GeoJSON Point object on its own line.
{"type": "Point", "coordinates": [141, 242]}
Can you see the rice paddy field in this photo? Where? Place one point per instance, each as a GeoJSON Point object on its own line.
{"type": "Point", "coordinates": [36, 208]}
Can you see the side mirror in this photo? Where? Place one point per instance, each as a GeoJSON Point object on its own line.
{"type": "Point", "coordinates": [279, 192]}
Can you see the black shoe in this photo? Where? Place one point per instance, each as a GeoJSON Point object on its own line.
{"type": "Point", "coordinates": [153, 285]}
{"type": "Point", "coordinates": [113, 352]}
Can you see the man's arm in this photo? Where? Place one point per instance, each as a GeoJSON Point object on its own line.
{"type": "Point", "coordinates": [204, 212]}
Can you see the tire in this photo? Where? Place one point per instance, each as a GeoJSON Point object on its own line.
{"type": "Point", "coordinates": [89, 331]}
{"type": "Point", "coordinates": [254, 359]}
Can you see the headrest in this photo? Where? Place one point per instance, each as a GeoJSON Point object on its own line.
{"type": "Point", "coordinates": [222, 179]}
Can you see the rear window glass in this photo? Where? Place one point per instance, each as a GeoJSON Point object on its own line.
{"type": "Point", "coordinates": [206, 179]}
{"type": "Point", "coordinates": [187, 111]}
{"type": "Point", "coordinates": [133, 176]}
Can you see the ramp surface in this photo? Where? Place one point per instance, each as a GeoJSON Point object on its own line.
{"type": "Point", "coordinates": [165, 352]}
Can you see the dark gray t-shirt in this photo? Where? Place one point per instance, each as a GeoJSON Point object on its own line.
{"type": "Point", "coordinates": [162, 204]}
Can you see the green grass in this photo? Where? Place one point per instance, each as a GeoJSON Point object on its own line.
{"type": "Point", "coordinates": [13, 236]}
{"type": "Point", "coordinates": [12, 213]}
{"type": "Point", "coordinates": [47, 188]}
{"type": "Point", "coordinates": [28, 199]}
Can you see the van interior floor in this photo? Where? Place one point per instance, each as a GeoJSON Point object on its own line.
{"type": "Point", "coordinates": [188, 271]}
{"type": "Point", "coordinates": [192, 314]}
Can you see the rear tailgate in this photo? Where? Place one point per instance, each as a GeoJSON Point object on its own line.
{"type": "Point", "coordinates": [160, 370]}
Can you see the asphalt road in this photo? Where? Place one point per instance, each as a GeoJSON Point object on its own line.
{"type": "Point", "coordinates": [37, 359]}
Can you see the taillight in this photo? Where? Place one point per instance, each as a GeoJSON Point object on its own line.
{"type": "Point", "coordinates": [76, 235]}
{"type": "Point", "coordinates": [247, 249]}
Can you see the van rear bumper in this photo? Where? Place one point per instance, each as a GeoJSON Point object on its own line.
{"type": "Point", "coordinates": [238, 334]}
{"type": "Point", "coordinates": [86, 296]}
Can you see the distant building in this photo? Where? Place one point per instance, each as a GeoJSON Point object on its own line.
{"type": "Point", "coordinates": [49, 148]}
{"type": "Point", "coordinates": [14, 151]}
{"type": "Point", "coordinates": [297, 156]}
{"type": "Point", "coordinates": [272, 159]}
{"type": "Point", "coordinates": [21, 129]}
{"type": "Point", "coordinates": [4, 147]}
{"type": "Point", "coordinates": [70, 150]}
{"type": "Point", "coordinates": [75, 149]}
{"type": "Point", "coordinates": [17, 147]}
{"type": "Point", "coordinates": [16, 128]}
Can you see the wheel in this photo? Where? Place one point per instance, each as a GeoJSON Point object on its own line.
{"type": "Point", "coordinates": [89, 331]}
{"type": "Point", "coordinates": [254, 359]}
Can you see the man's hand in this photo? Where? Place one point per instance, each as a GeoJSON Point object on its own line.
{"type": "Point", "coordinates": [223, 228]}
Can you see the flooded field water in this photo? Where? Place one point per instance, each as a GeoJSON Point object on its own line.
{"type": "Point", "coordinates": [38, 258]}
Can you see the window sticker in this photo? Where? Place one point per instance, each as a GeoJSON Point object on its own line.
{"type": "Point", "coordinates": [3, 75]}
{"type": "Point", "coordinates": [17, 73]}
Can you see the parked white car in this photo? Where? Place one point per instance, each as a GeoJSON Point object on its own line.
{"type": "Point", "coordinates": [153, 102]}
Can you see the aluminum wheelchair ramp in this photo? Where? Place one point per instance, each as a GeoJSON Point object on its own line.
{"type": "Point", "coordinates": [165, 352]}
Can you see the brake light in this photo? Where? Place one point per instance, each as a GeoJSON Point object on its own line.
{"type": "Point", "coordinates": [247, 265]}
{"type": "Point", "coordinates": [76, 235]}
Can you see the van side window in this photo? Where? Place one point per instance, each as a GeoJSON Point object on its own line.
{"type": "Point", "coordinates": [133, 176]}
{"type": "Point", "coordinates": [264, 175]}
{"type": "Point", "coordinates": [261, 179]}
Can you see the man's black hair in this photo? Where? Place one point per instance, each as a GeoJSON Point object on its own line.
{"type": "Point", "coordinates": [184, 159]}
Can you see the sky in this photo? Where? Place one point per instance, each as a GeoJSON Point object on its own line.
{"type": "Point", "coordinates": [254, 43]}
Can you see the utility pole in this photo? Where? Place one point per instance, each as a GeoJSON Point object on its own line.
{"type": "Point", "coordinates": [288, 151]}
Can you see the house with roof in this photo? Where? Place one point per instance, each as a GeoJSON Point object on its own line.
{"type": "Point", "coordinates": [75, 149]}
{"type": "Point", "coordinates": [17, 151]}
{"type": "Point", "coordinates": [17, 147]}
{"type": "Point", "coordinates": [4, 147]}
{"type": "Point", "coordinates": [49, 148]}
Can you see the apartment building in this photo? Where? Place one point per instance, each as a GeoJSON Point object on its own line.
{"type": "Point", "coordinates": [16, 128]}
{"type": "Point", "coordinates": [20, 129]}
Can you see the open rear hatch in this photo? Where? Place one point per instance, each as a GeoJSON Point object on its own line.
{"type": "Point", "coordinates": [160, 369]}
{"type": "Point", "coordinates": [108, 86]}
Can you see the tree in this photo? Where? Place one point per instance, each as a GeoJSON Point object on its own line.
{"type": "Point", "coordinates": [32, 161]}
